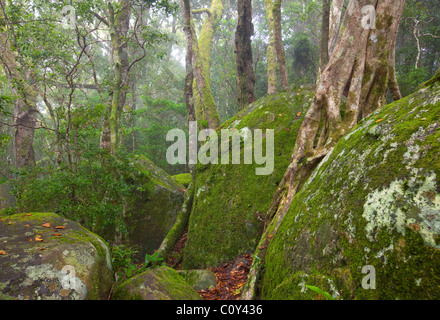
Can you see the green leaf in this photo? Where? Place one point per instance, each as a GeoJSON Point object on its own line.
{"type": "Point", "coordinates": [316, 289]}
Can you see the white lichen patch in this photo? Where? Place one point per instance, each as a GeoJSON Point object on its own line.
{"type": "Point", "coordinates": [200, 190]}
{"type": "Point", "coordinates": [413, 204]}
{"type": "Point", "coordinates": [49, 275]}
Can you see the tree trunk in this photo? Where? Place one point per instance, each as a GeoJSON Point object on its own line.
{"type": "Point", "coordinates": [325, 34]}
{"type": "Point", "coordinates": [279, 49]}
{"type": "Point", "coordinates": [206, 111]}
{"type": "Point", "coordinates": [271, 54]}
{"type": "Point", "coordinates": [179, 226]}
{"type": "Point", "coordinates": [243, 54]}
{"type": "Point", "coordinates": [335, 20]}
{"type": "Point", "coordinates": [24, 89]}
{"type": "Point", "coordinates": [360, 61]}
{"type": "Point", "coordinates": [118, 28]}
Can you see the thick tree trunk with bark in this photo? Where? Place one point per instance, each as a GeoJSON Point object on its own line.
{"type": "Point", "coordinates": [243, 54]}
{"type": "Point", "coordinates": [118, 28]}
{"type": "Point", "coordinates": [325, 34]}
{"type": "Point", "coordinates": [279, 48]}
{"type": "Point", "coordinates": [361, 62]}
{"type": "Point", "coordinates": [275, 55]}
{"type": "Point", "coordinates": [334, 22]}
{"type": "Point", "coordinates": [24, 89]}
{"type": "Point", "coordinates": [206, 111]}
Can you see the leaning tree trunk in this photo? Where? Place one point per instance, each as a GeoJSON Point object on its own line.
{"type": "Point", "coordinates": [182, 219]}
{"type": "Point", "coordinates": [243, 54]}
{"type": "Point", "coordinates": [361, 62]}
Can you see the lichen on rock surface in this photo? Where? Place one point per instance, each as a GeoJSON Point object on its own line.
{"type": "Point", "coordinates": [230, 199]}
{"type": "Point", "coordinates": [47, 257]}
{"type": "Point", "coordinates": [375, 201]}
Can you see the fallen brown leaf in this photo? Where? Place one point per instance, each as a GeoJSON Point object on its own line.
{"type": "Point", "coordinates": [59, 227]}
{"type": "Point", "coordinates": [46, 225]}
{"type": "Point", "coordinates": [38, 238]}
{"type": "Point", "coordinates": [2, 252]}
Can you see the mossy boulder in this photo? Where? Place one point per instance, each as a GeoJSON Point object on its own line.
{"type": "Point", "coordinates": [231, 199]}
{"type": "Point", "coordinates": [373, 202]}
{"type": "Point", "coordinates": [161, 283]}
{"type": "Point", "coordinates": [203, 279]}
{"type": "Point", "coordinates": [39, 261]}
{"type": "Point", "coordinates": [152, 209]}
{"type": "Point", "coordinates": [183, 178]}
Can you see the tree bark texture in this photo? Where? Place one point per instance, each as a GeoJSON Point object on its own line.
{"type": "Point", "coordinates": [206, 111]}
{"type": "Point", "coordinates": [24, 88]}
{"type": "Point", "coordinates": [243, 54]}
{"type": "Point", "coordinates": [119, 19]}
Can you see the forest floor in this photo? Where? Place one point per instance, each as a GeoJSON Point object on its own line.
{"type": "Point", "coordinates": [231, 276]}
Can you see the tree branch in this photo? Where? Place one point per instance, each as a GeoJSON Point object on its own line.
{"type": "Point", "coordinates": [202, 10]}
{"type": "Point", "coordinates": [97, 16]}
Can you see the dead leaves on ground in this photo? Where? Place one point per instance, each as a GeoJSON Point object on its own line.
{"type": "Point", "coordinates": [230, 279]}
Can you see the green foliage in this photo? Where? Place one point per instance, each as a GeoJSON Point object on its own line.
{"type": "Point", "coordinates": [409, 78]}
{"type": "Point", "coordinates": [324, 293]}
{"type": "Point", "coordinates": [125, 263]}
{"type": "Point", "coordinates": [91, 193]}
{"type": "Point", "coordinates": [152, 260]}
{"type": "Point", "coordinates": [147, 127]}
{"type": "Point", "coordinates": [303, 56]}
{"type": "Point", "coordinates": [122, 261]}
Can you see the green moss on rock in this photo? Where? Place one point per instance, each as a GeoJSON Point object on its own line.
{"type": "Point", "coordinates": [156, 284]}
{"type": "Point", "coordinates": [230, 199]}
{"type": "Point", "coordinates": [153, 207]}
{"type": "Point", "coordinates": [199, 279]}
{"type": "Point", "coordinates": [184, 179]}
{"type": "Point", "coordinates": [68, 264]}
{"type": "Point", "coordinates": [374, 200]}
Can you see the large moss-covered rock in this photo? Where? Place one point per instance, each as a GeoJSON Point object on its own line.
{"type": "Point", "coordinates": [40, 261]}
{"type": "Point", "coordinates": [156, 284]}
{"type": "Point", "coordinates": [373, 202]}
{"type": "Point", "coordinates": [230, 199]}
{"type": "Point", "coordinates": [203, 279]}
{"type": "Point", "coordinates": [152, 209]}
